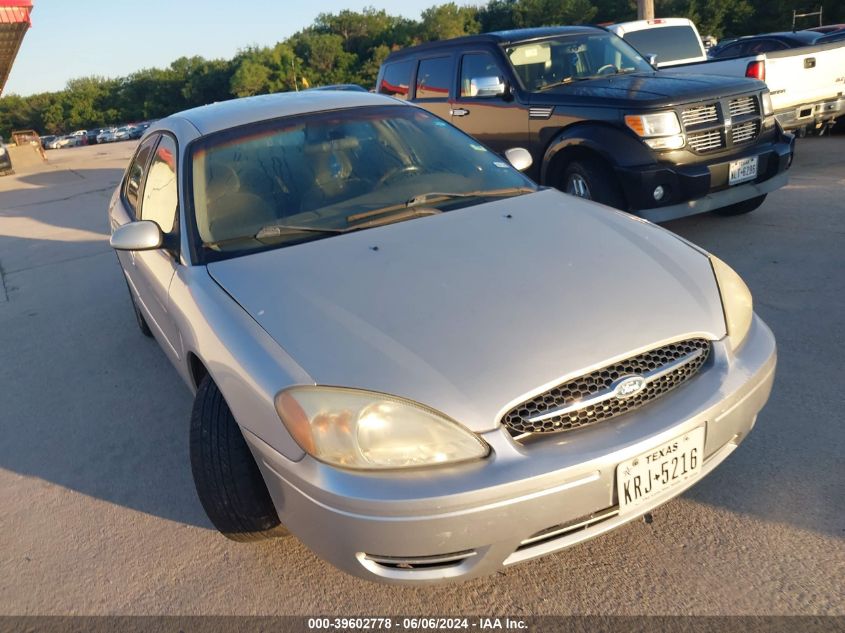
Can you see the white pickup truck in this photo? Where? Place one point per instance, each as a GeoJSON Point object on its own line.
{"type": "Point", "coordinates": [807, 84]}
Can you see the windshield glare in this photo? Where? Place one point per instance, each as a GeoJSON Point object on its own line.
{"type": "Point", "coordinates": [560, 60]}
{"type": "Point", "coordinates": [323, 170]}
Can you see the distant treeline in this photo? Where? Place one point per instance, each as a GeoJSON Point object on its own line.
{"type": "Point", "coordinates": [347, 47]}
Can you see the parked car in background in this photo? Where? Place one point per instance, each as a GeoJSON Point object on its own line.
{"type": "Point", "coordinates": [106, 136]}
{"type": "Point", "coordinates": [46, 140]}
{"type": "Point", "coordinates": [835, 36]}
{"type": "Point", "coordinates": [5, 160]}
{"type": "Point", "coordinates": [135, 131]}
{"type": "Point", "coordinates": [91, 135]}
{"type": "Point", "coordinates": [766, 43]}
{"type": "Point", "coordinates": [122, 133]}
{"type": "Point", "coordinates": [668, 41]}
{"type": "Point", "coordinates": [350, 286]}
{"type": "Point", "coordinates": [599, 121]}
{"type": "Point", "coordinates": [57, 142]}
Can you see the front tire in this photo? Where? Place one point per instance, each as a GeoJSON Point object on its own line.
{"type": "Point", "coordinates": [228, 481]}
{"type": "Point", "coordinates": [592, 179]}
{"type": "Point", "coordinates": [746, 206]}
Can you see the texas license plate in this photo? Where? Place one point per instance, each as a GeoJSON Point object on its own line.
{"type": "Point", "coordinates": [647, 476]}
{"type": "Point", "coordinates": [742, 170]}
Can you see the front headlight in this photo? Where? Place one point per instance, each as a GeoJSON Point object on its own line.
{"type": "Point", "coordinates": [766, 99]}
{"type": "Point", "coordinates": [659, 130]}
{"type": "Point", "coordinates": [368, 430]}
{"type": "Point", "coordinates": [736, 302]}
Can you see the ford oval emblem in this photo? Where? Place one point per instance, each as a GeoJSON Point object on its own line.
{"type": "Point", "coordinates": [628, 386]}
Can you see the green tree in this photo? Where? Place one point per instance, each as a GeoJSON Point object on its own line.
{"type": "Point", "coordinates": [448, 20]}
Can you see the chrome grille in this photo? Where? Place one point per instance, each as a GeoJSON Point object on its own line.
{"type": "Point", "coordinates": [681, 361]}
{"type": "Point", "coordinates": [743, 105]}
{"type": "Point", "coordinates": [700, 114]}
{"type": "Point", "coordinates": [744, 132]}
{"type": "Point", "coordinates": [706, 141]}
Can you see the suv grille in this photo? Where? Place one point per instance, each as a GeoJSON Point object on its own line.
{"type": "Point", "coordinates": [589, 399]}
{"type": "Point", "coordinates": [700, 114]}
{"type": "Point", "coordinates": [722, 124]}
{"type": "Point", "coordinates": [705, 141]}
{"type": "Point", "coordinates": [743, 105]}
{"type": "Point", "coordinates": [744, 132]}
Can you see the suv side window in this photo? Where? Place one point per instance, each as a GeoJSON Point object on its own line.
{"type": "Point", "coordinates": [764, 46]}
{"type": "Point", "coordinates": [396, 80]}
{"type": "Point", "coordinates": [135, 177]}
{"type": "Point", "coordinates": [161, 198]}
{"type": "Point", "coordinates": [434, 76]}
{"type": "Point", "coordinates": [475, 65]}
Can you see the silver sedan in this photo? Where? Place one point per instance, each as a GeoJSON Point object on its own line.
{"type": "Point", "coordinates": [410, 356]}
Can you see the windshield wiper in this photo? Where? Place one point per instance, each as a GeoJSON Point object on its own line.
{"type": "Point", "coordinates": [564, 82]}
{"type": "Point", "coordinates": [277, 230]}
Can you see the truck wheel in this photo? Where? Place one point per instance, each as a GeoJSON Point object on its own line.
{"type": "Point", "coordinates": [746, 206]}
{"type": "Point", "coordinates": [590, 178]}
{"type": "Point", "coordinates": [142, 322]}
{"type": "Point", "coordinates": [228, 482]}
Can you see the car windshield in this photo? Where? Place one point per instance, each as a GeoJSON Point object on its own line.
{"type": "Point", "coordinates": [576, 57]}
{"type": "Point", "coordinates": [309, 177]}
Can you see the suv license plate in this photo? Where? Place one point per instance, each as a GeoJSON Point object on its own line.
{"type": "Point", "coordinates": [646, 476]}
{"type": "Point", "coordinates": [742, 170]}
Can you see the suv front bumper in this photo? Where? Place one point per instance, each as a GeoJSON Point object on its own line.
{"type": "Point", "coordinates": [700, 187]}
{"type": "Point", "coordinates": [471, 520]}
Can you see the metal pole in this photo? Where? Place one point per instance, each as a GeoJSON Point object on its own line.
{"type": "Point", "coordinates": [645, 9]}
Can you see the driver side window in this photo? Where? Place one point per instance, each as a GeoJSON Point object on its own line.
{"type": "Point", "coordinates": [161, 198]}
{"type": "Point", "coordinates": [475, 65]}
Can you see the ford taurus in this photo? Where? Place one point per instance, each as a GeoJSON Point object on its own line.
{"type": "Point", "coordinates": [410, 356]}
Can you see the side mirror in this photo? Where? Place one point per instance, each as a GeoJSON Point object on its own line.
{"type": "Point", "coordinates": [520, 158]}
{"type": "Point", "coordinates": [487, 87]}
{"type": "Point", "coordinates": [144, 235]}
{"type": "Point", "coordinates": [652, 59]}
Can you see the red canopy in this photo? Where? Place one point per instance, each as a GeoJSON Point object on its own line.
{"type": "Point", "coordinates": [14, 22]}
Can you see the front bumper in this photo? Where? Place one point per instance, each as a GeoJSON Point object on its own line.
{"type": "Point", "coordinates": [696, 188]}
{"type": "Point", "coordinates": [474, 519]}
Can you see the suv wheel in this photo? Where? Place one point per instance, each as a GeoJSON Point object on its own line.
{"type": "Point", "coordinates": [228, 482]}
{"type": "Point", "coordinates": [746, 206]}
{"type": "Point", "coordinates": [591, 179]}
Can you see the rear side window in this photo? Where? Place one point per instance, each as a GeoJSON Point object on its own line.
{"type": "Point", "coordinates": [137, 170]}
{"type": "Point", "coordinates": [396, 80]}
{"type": "Point", "coordinates": [764, 46]}
{"type": "Point", "coordinates": [160, 193]}
{"type": "Point", "coordinates": [732, 50]}
{"type": "Point", "coordinates": [669, 43]}
{"type": "Point", "coordinates": [434, 77]}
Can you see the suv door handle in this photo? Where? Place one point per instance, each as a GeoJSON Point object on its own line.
{"type": "Point", "coordinates": [459, 112]}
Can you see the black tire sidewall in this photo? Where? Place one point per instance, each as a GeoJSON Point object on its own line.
{"type": "Point", "coordinates": [600, 180]}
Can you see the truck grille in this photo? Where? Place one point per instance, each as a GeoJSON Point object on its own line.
{"type": "Point", "coordinates": [743, 105]}
{"type": "Point", "coordinates": [699, 115]}
{"type": "Point", "coordinates": [592, 398]}
{"type": "Point", "coordinates": [706, 141]}
{"type": "Point", "coordinates": [744, 132]}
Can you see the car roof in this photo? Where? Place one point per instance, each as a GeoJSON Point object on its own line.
{"type": "Point", "coordinates": [495, 37]}
{"type": "Point", "coordinates": [228, 114]}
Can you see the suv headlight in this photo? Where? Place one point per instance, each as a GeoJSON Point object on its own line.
{"type": "Point", "coordinates": [368, 430]}
{"type": "Point", "coordinates": [736, 302]}
{"type": "Point", "coordinates": [659, 130]}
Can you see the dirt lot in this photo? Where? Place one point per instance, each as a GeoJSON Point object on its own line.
{"type": "Point", "coordinates": [97, 508]}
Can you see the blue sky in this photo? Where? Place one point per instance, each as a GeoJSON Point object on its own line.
{"type": "Point", "coordinates": [111, 38]}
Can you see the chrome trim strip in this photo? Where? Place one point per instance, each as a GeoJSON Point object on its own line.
{"type": "Point", "coordinates": [421, 560]}
{"type": "Point", "coordinates": [607, 394]}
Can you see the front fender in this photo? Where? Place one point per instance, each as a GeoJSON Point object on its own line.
{"type": "Point", "coordinates": [619, 148]}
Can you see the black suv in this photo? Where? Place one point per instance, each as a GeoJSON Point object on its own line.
{"type": "Point", "coordinates": [600, 121]}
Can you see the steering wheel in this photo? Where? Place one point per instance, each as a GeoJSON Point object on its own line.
{"type": "Point", "coordinates": [396, 172]}
{"type": "Point", "coordinates": [607, 67]}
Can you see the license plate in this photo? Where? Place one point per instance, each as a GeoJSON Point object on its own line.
{"type": "Point", "coordinates": [742, 170]}
{"type": "Point", "coordinates": [646, 476]}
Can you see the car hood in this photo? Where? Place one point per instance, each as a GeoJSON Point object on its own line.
{"type": "Point", "coordinates": [472, 310]}
{"type": "Point", "coordinates": [652, 89]}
